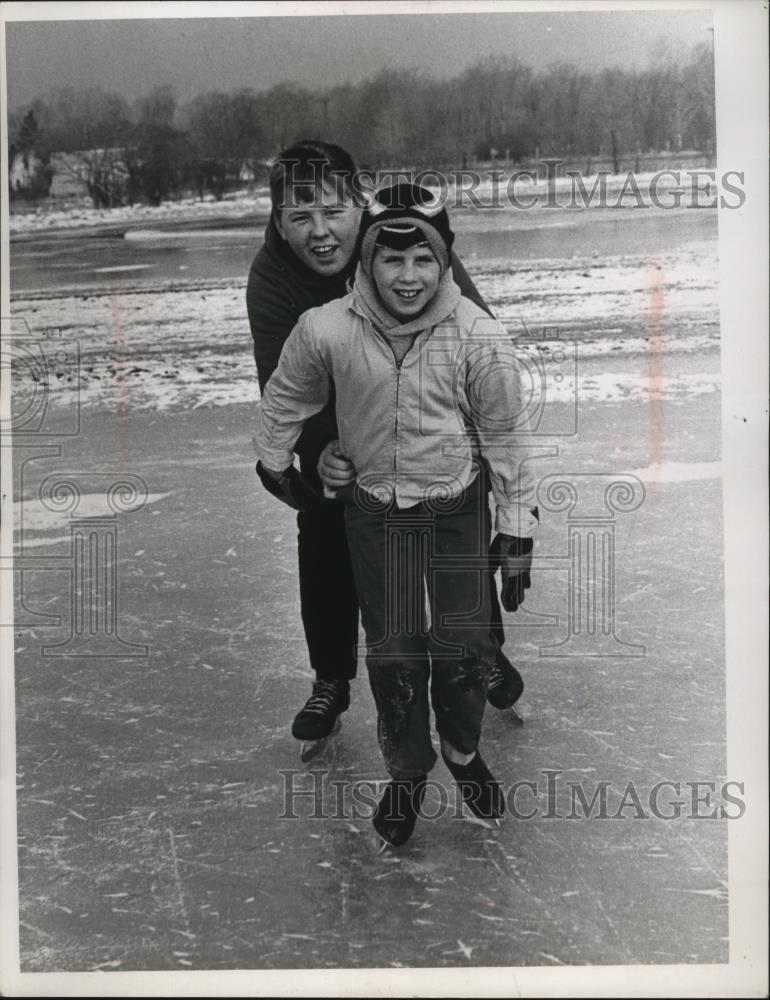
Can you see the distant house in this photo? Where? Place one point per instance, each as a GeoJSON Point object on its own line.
{"type": "Point", "coordinates": [68, 175]}
{"type": "Point", "coordinates": [246, 174]}
{"type": "Point", "coordinates": [66, 180]}
{"type": "Point", "coordinates": [254, 171]}
{"type": "Point", "coordinates": [101, 174]}
{"type": "Point", "coordinates": [25, 172]}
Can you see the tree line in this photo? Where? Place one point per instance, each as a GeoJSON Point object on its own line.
{"type": "Point", "coordinates": [497, 108]}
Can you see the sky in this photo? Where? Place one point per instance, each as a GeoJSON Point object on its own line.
{"type": "Point", "coordinates": [198, 54]}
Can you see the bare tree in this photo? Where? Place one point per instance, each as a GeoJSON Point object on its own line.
{"type": "Point", "coordinates": [498, 108]}
{"type": "Point", "coordinates": [223, 131]}
{"type": "Point", "coordinates": [158, 152]}
{"type": "Point", "coordinates": [85, 133]}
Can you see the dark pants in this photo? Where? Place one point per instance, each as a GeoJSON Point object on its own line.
{"type": "Point", "coordinates": [396, 554]}
{"type": "Point", "coordinates": [328, 600]}
{"type": "Point", "coordinates": [326, 588]}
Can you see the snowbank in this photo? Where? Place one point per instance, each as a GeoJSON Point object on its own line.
{"type": "Point", "coordinates": [519, 193]}
{"type": "Point", "coordinates": [81, 215]}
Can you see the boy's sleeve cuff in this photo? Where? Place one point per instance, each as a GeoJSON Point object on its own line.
{"type": "Point", "coordinates": [518, 521]}
{"type": "Point", "coordinates": [275, 460]}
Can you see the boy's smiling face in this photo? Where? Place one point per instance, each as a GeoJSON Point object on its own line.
{"type": "Point", "coordinates": [323, 231]}
{"type": "Point", "coordinates": [406, 279]}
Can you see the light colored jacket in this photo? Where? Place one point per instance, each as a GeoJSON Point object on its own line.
{"type": "Point", "coordinates": [416, 430]}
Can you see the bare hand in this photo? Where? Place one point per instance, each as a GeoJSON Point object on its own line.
{"type": "Point", "coordinates": [335, 470]}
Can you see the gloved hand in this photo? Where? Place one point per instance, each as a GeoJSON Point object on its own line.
{"type": "Point", "coordinates": [335, 470]}
{"type": "Point", "coordinates": [290, 487]}
{"type": "Point", "coordinates": [513, 556]}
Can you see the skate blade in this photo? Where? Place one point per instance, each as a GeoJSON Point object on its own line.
{"type": "Point", "coordinates": [384, 846]}
{"type": "Point", "coordinates": [312, 748]}
{"type": "Point", "coordinates": [486, 824]}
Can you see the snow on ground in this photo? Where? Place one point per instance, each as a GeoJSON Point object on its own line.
{"type": "Point", "coordinates": [185, 344]}
{"type": "Point", "coordinates": [50, 216]}
{"type": "Point", "coordinates": [670, 189]}
{"type": "Point", "coordinates": [620, 289]}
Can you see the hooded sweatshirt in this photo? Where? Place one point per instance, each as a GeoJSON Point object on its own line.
{"type": "Point", "coordinates": [279, 289]}
{"type": "Point", "coordinates": [414, 430]}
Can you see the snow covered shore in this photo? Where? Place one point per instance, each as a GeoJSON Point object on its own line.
{"type": "Point", "coordinates": [481, 191]}
{"type": "Point", "coordinates": [186, 344]}
{"type": "Point", "coordinates": [51, 216]}
{"type": "Point", "coordinates": [634, 295]}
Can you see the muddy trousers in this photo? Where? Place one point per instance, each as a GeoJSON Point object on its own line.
{"type": "Point", "coordinates": [398, 557]}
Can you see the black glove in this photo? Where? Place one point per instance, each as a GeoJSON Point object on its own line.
{"type": "Point", "coordinates": [291, 488]}
{"type": "Point", "coordinates": [513, 556]}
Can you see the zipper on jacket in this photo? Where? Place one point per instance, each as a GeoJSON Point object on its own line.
{"type": "Point", "coordinates": [397, 365]}
{"type": "Point", "coordinates": [395, 444]}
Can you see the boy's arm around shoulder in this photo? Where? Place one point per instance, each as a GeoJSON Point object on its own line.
{"type": "Point", "coordinates": [298, 388]}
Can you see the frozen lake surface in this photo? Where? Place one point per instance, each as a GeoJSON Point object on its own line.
{"type": "Point", "coordinates": [152, 789]}
{"type": "Point", "coordinates": [226, 251]}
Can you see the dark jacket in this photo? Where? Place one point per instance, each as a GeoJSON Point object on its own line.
{"type": "Point", "coordinates": [280, 288]}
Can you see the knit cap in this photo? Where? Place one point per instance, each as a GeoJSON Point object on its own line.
{"type": "Point", "coordinates": [402, 216]}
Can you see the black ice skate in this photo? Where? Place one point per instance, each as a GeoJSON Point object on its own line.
{"type": "Point", "coordinates": [505, 686]}
{"type": "Point", "coordinates": [319, 719]}
{"type": "Point", "coordinates": [482, 794]}
{"type": "Point", "coordinates": [396, 813]}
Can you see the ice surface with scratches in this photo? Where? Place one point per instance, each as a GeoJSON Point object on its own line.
{"type": "Point", "coordinates": [36, 524]}
{"type": "Point", "coordinates": [149, 789]}
{"type": "Point", "coordinates": [679, 472]}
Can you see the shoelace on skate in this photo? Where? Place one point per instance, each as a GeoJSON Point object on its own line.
{"type": "Point", "coordinates": [322, 698]}
{"type": "Point", "coordinates": [496, 677]}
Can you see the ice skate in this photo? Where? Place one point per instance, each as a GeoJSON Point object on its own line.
{"type": "Point", "coordinates": [505, 687]}
{"type": "Point", "coordinates": [482, 796]}
{"type": "Point", "coordinates": [312, 748]}
{"type": "Point", "coordinates": [471, 817]}
{"type": "Point", "coordinates": [319, 719]}
{"type": "Point", "coordinates": [396, 813]}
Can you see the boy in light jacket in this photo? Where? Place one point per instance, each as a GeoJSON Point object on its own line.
{"type": "Point", "coordinates": [427, 389]}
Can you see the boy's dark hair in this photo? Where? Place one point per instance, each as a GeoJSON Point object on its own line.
{"type": "Point", "coordinates": [307, 165]}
